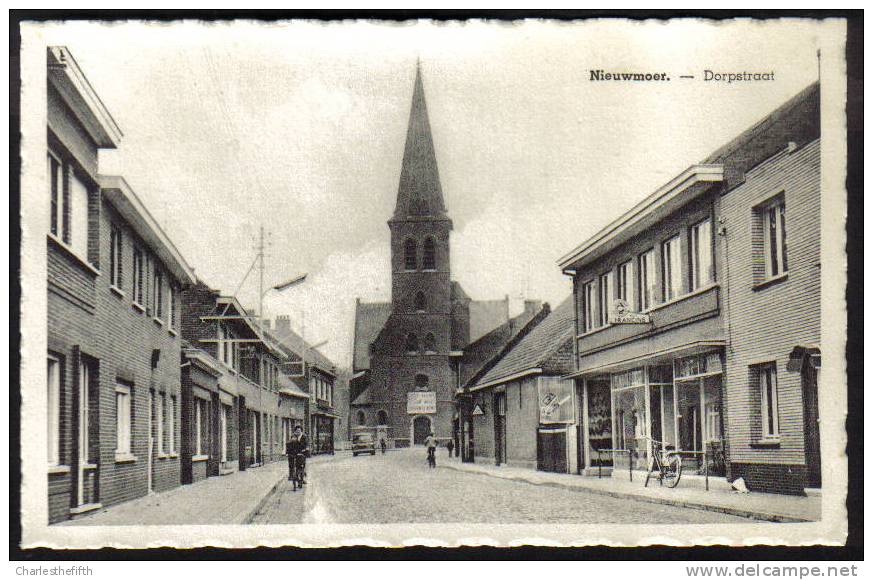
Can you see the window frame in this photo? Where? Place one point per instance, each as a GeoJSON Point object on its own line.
{"type": "Point", "coordinates": [411, 341]}
{"type": "Point", "coordinates": [604, 292]}
{"type": "Point", "coordinates": [75, 240]}
{"type": "Point", "coordinates": [123, 420]}
{"type": "Point", "coordinates": [116, 253]}
{"type": "Point", "coordinates": [58, 198]}
{"type": "Point", "coordinates": [768, 391]}
{"type": "Point", "coordinates": [625, 283]}
{"type": "Point", "coordinates": [588, 313]}
{"type": "Point", "coordinates": [54, 389]}
{"type": "Point", "coordinates": [697, 251]}
{"type": "Point", "coordinates": [158, 292]}
{"type": "Point", "coordinates": [138, 275]}
{"type": "Point", "coordinates": [669, 271]}
{"type": "Point", "coordinates": [160, 417]}
{"type": "Point", "coordinates": [171, 425]}
{"type": "Point", "coordinates": [410, 255]}
{"type": "Point", "coordinates": [428, 257]}
{"type": "Point", "coordinates": [778, 245]}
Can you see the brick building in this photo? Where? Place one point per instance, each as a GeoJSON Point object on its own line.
{"type": "Point", "coordinates": [406, 352]}
{"type": "Point", "coordinates": [114, 281]}
{"type": "Point", "coordinates": [698, 314]}
{"type": "Point", "coordinates": [238, 411]}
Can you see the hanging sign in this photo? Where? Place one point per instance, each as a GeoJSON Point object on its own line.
{"type": "Point", "coordinates": [621, 313]}
{"type": "Point", "coordinates": [421, 402]}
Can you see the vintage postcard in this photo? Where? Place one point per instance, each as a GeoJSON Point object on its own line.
{"type": "Point", "coordinates": [534, 282]}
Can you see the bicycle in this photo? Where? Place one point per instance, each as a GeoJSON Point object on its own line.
{"type": "Point", "coordinates": [298, 477]}
{"type": "Point", "coordinates": [667, 462]}
{"type": "Point", "coordinates": [431, 457]}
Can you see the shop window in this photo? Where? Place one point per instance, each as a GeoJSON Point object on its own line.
{"type": "Point", "coordinates": [382, 417]}
{"type": "Point", "coordinates": [53, 416]}
{"type": "Point", "coordinates": [123, 427]}
{"type": "Point", "coordinates": [671, 269]}
{"type": "Point", "coordinates": [647, 279]}
{"type": "Point", "coordinates": [702, 272]}
{"type": "Point", "coordinates": [429, 258]}
{"type": "Point", "coordinates": [410, 255]}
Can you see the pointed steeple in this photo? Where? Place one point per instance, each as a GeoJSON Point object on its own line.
{"type": "Point", "coordinates": [420, 193]}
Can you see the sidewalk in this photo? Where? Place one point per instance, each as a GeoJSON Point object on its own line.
{"type": "Point", "coordinates": [761, 506]}
{"type": "Point", "coordinates": [229, 499]}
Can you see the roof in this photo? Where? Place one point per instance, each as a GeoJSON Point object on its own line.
{"type": "Point", "coordinates": [243, 315]}
{"type": "Point", "coordinates": [363, 398]}
{"type": "Point", "coordinates": [797, 120]}
{"type": "Point", "coordinates": [65, 75]}
{"type": "Point", "coordinates": [543, 349]}
{"type": "Point", "coordinates": [419, 193]}
{"type": "Point", "coordinates": [122, 197]}
{"type": "Point", "coordinates": [290, 388]}
{"type": "Point", "coordinates": [370, 318]}
{"type": "Point", "coordinates": [294, 343]}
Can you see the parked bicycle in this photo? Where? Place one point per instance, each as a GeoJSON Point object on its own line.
{"type": "Point", "coordinates": [665, 462]}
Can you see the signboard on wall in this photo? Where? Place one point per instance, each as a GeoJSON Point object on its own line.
{"type": "Point", "coordinates": [555, 400]}
{"type": "Point", "coordinates": [421, 402]}
{"type": "Point", "coordinates": [621, 313]}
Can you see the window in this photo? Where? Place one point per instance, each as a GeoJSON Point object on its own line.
{"type": "Point", "coordinates": [421, 382]}
{"type": "Point", "coordinates": [604, 298]}
{"type": "Point", "coordinates": [172, 304]}
{"type": "Point", "coordinates": [429, 343]}
{"type": "Point", "coordinates": [625, 283]}
{"type": "Point", "coordinates": [701, 255]}
{"type": "Point", "coordinates": [382, 417]}
{"type": "Point", "coordinates": [159, 421]}
{"type": "Point", "coordinates": [647, 279]}
{"type": "Point", "coordinates": [410, 255]}
{"type": "Point", "coordinates": [588, 307]}
{"type": "Point", "coordinates": [411, 343]}
{"type": "Point", "coordinates": [53, 435]}
{"type": "Point", "coordinates": [78, 236]}
{"type": "Point", "coordinates": [59, 225]}
{"type": "Point", "coordinates": [171, 426]}
{"type": "Point", "coordinates": [420, 302]}
{"type": "Point", "coordinates": [429, 258]}
{"type": "Point", "coordinates": [115, 257]}
{"type": "Point", "coordinates": [158, 293]}
{"type": "Point", "coordinates": [362, 418]}
{"type": "Point", "coordinates": [122, 419]}
{"type": "Point", "coordinates": [769, 400]}
{"type": "Point", "coordinates": [138, 276]}
{"type": "Point", "coordinates": [671, 272]}
{"type": "Point", "coordinates": [201, 426]}
{"type": "Point", "coordinates": [775, 249]}
{"type": "Point", "coordinates": [85, 393]}
{"type": "Point", "coordinates": [226, 346]}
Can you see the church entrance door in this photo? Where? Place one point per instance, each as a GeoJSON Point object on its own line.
{"type": "Point", "coordinates": [420, 429]}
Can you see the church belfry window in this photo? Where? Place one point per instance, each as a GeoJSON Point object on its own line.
{"type": "Point", "coordinates": [420, 302]}
{"type": "Point", "coordinates": [411, 343]}
{"type": "Point", "coordinates": [429, 343]}
{"type": "Point", "coordinates": [410, 255]}
{"type": "Point", "coordinates": [429, 255]}
{"type": "Point", "coordinates": [421, 382]}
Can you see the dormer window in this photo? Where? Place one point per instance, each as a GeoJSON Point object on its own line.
{"type": "Point", "coordinates": [429, 261]}
{"type": "Point", "coordinates": [410, 255]}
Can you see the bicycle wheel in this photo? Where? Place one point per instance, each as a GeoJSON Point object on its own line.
{"type": "Point", "coordinates": [672, 470]}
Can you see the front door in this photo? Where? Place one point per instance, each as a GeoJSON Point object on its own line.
{"type": "Point", "coordinates": [420, 430]}
{"type": "Point", "coordinates": [811, 424]}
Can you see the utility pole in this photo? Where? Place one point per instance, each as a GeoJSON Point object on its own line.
{"type": "Point", "coordinates": [261, 268]}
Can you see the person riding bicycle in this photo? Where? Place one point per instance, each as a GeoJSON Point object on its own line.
{"type": "Point", "coordinates": [298, 445]}
{"type": "Point", "coordinates": [431, 444]}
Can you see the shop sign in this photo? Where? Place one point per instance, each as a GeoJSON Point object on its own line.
{"type": "Point", "coordinates": [621, 313]}
{"type": "Point", "coordinates": [421, 402]}
{"type": "Point", "coordinates": [556, 401]}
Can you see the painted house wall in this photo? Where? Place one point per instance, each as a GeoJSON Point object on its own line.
{"type": "Point", "coordinates": [767, 322]}
{"type": "Point", "coordinates": [522, 419]}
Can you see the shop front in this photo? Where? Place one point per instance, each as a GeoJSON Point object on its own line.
{"type": "Point", "coordinates": [669, 402]}
{"type": "Point", "coordinates": [321, 439]}
{"type": "Point", "coordinates": [555, 440]}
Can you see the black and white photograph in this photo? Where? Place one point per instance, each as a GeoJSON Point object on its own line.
{"type": "Point", "coordinates": [446, 283]}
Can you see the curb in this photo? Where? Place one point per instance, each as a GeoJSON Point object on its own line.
{"type": "Point", "coordinates": [263, 501]}
{"type": "Point", "coordinates": [763, 516]}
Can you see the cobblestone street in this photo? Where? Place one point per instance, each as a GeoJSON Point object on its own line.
{"type": "Point", "coordinates": [399, 488]}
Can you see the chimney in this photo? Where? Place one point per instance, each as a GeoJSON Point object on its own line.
{"type": "Point", "coordinates": [531, 307]}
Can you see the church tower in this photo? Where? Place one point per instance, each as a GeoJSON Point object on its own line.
{"type": "Point", "coordinates": [416, 344]}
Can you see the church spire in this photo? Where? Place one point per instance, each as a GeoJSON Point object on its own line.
{"type": "Point", "coordinates": [419, 193]}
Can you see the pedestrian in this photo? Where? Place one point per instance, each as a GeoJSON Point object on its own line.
{"type": "Point", "coordinates": [431, 444]}
{"type": "Point", "coordinates": [297, 445]}
{"type": "Point", "coordinates": [383, 445]}
{"type": "Point", "coordinates": [450, 446]}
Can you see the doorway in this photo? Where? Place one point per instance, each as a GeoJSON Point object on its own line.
{"type": "Point", "coordinates": [421, 428]}
{"type": "Point", "coordinates": [499, 428]}
{"type": "Point", "coordinates": [812, 441]}
{"type": "Point", "coordinates": [150, 468]}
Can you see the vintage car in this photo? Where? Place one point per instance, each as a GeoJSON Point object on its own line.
{"type": "Point", "coordinates": [363, 443]}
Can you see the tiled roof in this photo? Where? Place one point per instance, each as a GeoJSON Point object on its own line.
{"type": "Point", "coordinates": [293, 343]}
{"type": "Point", "coordinates": [545, 346]}
{"type": "Point", "coordinates": [370, 318]}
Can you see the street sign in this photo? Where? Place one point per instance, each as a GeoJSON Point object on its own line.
{"type": "Point", "coordinates": [421, 402]}
{"type": "Point", "coordinates": [477, 410]}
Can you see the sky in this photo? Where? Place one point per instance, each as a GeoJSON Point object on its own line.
{"type": "Point", "coordinates": [299, 128]}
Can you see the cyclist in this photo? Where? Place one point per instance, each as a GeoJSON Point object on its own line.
{"type": "Point", "coordinates": [431, 444]}
{"type": "Point", "coordinates": [298, 445]}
